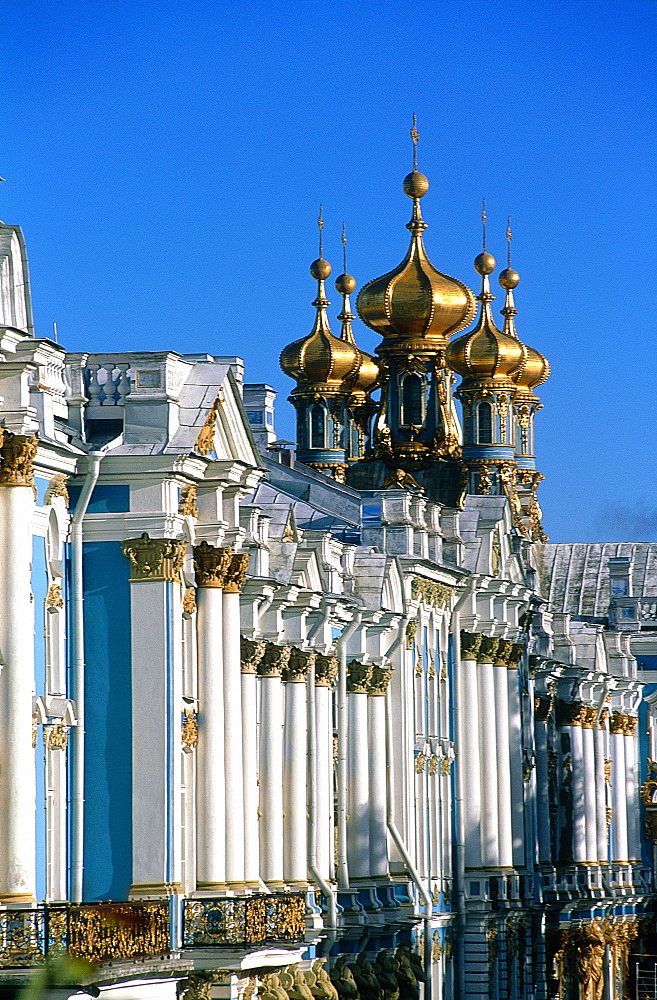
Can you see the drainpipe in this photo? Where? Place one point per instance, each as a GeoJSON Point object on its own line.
{"type": "Point", "coordinates": [403, 850]}
{"type": "Point", "coordinates": [77, 748]}
{"type": "Point", "coordinates": [459, 865]}
{"type": "Point", "coordinates": [343, 725]}
{"type": "Point", "coordinates": [329, 892]}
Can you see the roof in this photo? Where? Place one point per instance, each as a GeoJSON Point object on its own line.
{"type": "Point", "coordinates": [574, 577]}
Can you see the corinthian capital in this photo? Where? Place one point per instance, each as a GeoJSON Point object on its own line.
{"type": "Point", "coordinates": [236, 573]}
{"type": "Point", "coordinates": [358, 677]}
{"type": "Point", "coordinates": [211, 565]}
{"type": "Point", "coordinates": [488, 649]}
{"type": "Point", "coordinates": [16, 454]}
{"type": "Point", "coordinates": [379, 680]}
{"type": "Point", "coordinates": [274, 660]}
{"type": "Point", "coordinates": [300, 662]}
{"type": "Point", "coordinates": [252, 651]}
{"type": "Point", "coordinates": [326, 670]}
{"type": "Point", "coordinates": [154, 558]}
{"type": "Point", "coordinates": [470, 643]}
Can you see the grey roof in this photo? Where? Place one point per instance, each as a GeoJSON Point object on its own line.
{"type": "Point", "coordinates": [320, 496]}
{"type": "Point", "coordinates": [273, 500]}
{"type": "Point", "coordinates": [575, 576]}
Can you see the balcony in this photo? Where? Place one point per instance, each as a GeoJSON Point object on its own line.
{"type": "Point", "coordinates": [243, 922]}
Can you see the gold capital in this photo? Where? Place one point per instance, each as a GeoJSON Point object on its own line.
{"type": "Point", "coordinates": [56, 488]}
{"type": "Point", "coordinates": [488, 649]}
{"type": "Point", "coordinates": [470, 643]}
{"type": "Point", "coordinates": [298, 665]}
{"type": "Point", "coordinates": [274, 660]}
{"type": "Point", "coordinates": [236, 573]}
{"type": "Point", "coordinates": [358, 677]}
{"type": "Point", "coordinates": [154, 559]}
{"type": "Point", "coordinates": [16, 454]}
{"type": "Point", "coordinates": [252, 651]}
{"type": "Point", "coordinates": [211, 565]}
{"type": "Point", "coordinates": [326, 670]}
{"type": "Point", "coordinates": [378, 682]}
{"type": "Point", "coordinates": [189, 732]}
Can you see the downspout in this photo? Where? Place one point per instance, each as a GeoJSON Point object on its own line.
{"type": "Point", "coordinates": [343, 726]}
{"type": "Point", "coordinates": [459, 860]}
{"type": "Point", "coordinates": [77, 748]}
{"type": "Point", "coordinates": [329, 892]}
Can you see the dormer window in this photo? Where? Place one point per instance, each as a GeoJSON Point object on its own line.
{"type": "Point", "coordinates": [412, 400]}
{"type": "Point", "coordinates": [317, 427]}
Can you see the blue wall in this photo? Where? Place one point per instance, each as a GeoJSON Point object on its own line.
{"type": "Point", "coordinates": [108, 711]}
{"type": "Point", "coordinates": [40, 589]}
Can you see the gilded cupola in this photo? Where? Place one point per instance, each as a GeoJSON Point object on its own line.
{"type": "Point", "coordinates": [366, 376]}
{"type": "Point", "coordinates": [536, 369]}
{"type": "Point", "coordinates": [415, 307]}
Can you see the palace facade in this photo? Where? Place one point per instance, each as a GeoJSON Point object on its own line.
{"type": "Point", "coordinates": [325, 721]}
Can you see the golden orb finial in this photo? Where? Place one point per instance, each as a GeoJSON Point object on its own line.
{"type": "Point", "coordinates": [320, 269]}
{"type": "Point", "coordinates": [508, 277]}
{"type": "Point", "coordinates": [344, 283]}
{"type": "Point", "coordinates": [416, 184]}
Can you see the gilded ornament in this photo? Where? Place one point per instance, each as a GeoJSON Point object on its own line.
{"type": "Point", "coordinates": [274, 661]}
{"type": "Point", "coordinates": [470, 644]}
{"type": "Point", "coordinates": [436, 594]}
{"type": "Point", "coordinates": [606, 766]}
{"type": "Point", "coordinates": [624, 724]}
{"type": "Point", "coordinates": [326, 670]}
{"type": "Point", "coordinates": [16, 454]}
{"type": "Point", "coordinates": [54, 597]}
{"type": "Point", "coordinates": [648, 792]}
{"type": "Point", "coordinates": [55, 737]}
{"type": "Point", "coordinates": [443, 669]}
{"type": "Point", "coordinates": [576, 714]}
{"type": "Point", "coordinates": [36, 719]}
{"type": "Point", "coordinates": [609, 812]}
{"type": "Point", "coordinates": [488, 649]}
{"type": "Point", "coordinates": [236, 573]}
{"type": "Point", "coordinates": [154, 559]}
{"type": "Point", "coordinates": [189, 733]}
{"type": "Point", "coordinates": [299, 663]}
{"type": "Point", "coordinates": [436, 947]}
{"type": "Point", "coordinates": [188, 497]}
{"type": "Point", "coordinates": [411, 629]}
{"type": "Point", "coordinates": [420, 762]}
{"type": "Point", "coordinates": [211, 565]}
{"type": "Point", "coordinates": [400, 480]}
{"type": "Point", "coordinates": [433, 764]}
{"type": "Point", "coordinates": [56, 488]}
{"type": "Point", "coordinates": [189, 600]}
{"type": "Point", "coordinates": [503, 653]}
{"type": "Point", "coordinates": [358, 677]}
{"type": "Point", "coordinates": [378, 681]}
{"type": "Point", "coordinates": [542, 707]}
{"type": "Point", "coordinates": [516, 655]}
{"type": "Point", "coordinates": [251, 652]}
{"type": "Point", "coordinates": [445, 765]}
{"type": "Point", "coordinates": [205, 440]}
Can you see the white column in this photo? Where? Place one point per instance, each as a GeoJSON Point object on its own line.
{"type": "Point", "coordinates": [211, 564]}
{"type": "Point", "coordinates": [233, 758]}
{"type": "Point", "coordinates": [17, 769]}
{"type": "Point", "coordinates": [618, 789]}
{"type": "Point", "coordinates": [252, 653]}
{"type": "Point", "coordinates": [590, 787]}
{"type": "Point", "coordinates": [156, 625]}
{"type": "Point", "coordinates": [468, 750]}
{"type": "Point", "coordinates": [505, 830]}
{"type": "Point", "coordinates": [358, 829]}
{"type": "Point", "coordinates": [490, 844]}
{"type": "Point", "coordinates": [542, 780]}
{"type": "Point", "coordinates": [295, 753]}
{"type": "Point", "coordinates": [600, 792]}
{"type": "Point", "coordinates": [326, 671]}
{"type": "Point", "coordinates": [516, 761]}
{"type": "Point", "coordinates": [271, 763]}
{"type": "Point", "coordinates": [633, 842]}
{"type": "Point", "coordinates": [376, 728]}
{"type": "Point", "coordinates": [579, 809]}
{"type": "Point", "coordinates": [56, 744]}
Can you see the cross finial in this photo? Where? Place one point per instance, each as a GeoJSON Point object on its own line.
{"type": "Point", "coordinates": [344, 247]}
{"type": "Point", "coordinates": [320, 226]}
{"type": "Point", "coordinates": [508, 241]}
{"type": "Point", "coordinates": [484, 219]}
{"type": "Point", "coordinates": [415, 136]}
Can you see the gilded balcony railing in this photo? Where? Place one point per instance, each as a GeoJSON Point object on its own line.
{"type": "Point", "coordinates": [243, 922]}
{"type": "Point", "coordinates": [96, 932]}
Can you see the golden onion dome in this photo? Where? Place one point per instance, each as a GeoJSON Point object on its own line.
{"type": "Point", "coordinates": [366, 375]}
{"type": "Point", "coordinates": [486, 354]}
{"type": "Point", "coordinates": [416, 302]}
{"type": "Point", "coordinates": [536, 368]}
{"type": "Point", "coordinates": [320, 359]}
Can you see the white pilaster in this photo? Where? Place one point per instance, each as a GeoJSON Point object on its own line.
{"type": "Point", "coordinates": [376, 728]}
{"type": "Point", "coordinates": [490, 844]}
{"type": "Point", "coordinates": [600, 793]}
{"type": "Point", "coordinates": [326, 669]}
{"type": "Point", "coordinates": [619, 799]}
{"type": "Point", "coordinates": [252, 653]}
{"type": "Point", "coordinates": [633, 842]}
{"type": "Point", "coordinates": [579, 792]}
{"type": "Point", "coordinates": [516, 762]}
{"type": "Point", "coordinates": [588, 760]}
{"type": "Point", "coordinates": [17, 769]}
{"type": "Point", "coordinates": [358, 829]}
{"type": "Point", "coordinates": [505, 831]}
{"type": "Point", "coordinates": [469, 748]}
{"type": "Point", "coordinates": [295, 751]}
{"type": "Point", "coordinates": [271, 763]}
{"type": "Point", "coordinates": [233, 756]}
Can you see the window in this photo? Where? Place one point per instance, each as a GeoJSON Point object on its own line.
{"type": "Point", "coordinates": [411, 400]}
{"type": "Point", "coordinates": [619, 587]}
{"type": "Point", "coordinates": [484, 423]}
{"type": "Point", "coordinates": [317, 427]}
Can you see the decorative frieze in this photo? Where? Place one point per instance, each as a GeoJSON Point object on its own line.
{"type": "Point", "coordinates": [55, 737]}
{"type": "Point", "coordinates": [154, 559]}
{"type": "Point", "coordinates": [205, 440]}
{"type": "Point", "coordinates": [17, 452]}
{"type": "Point", "coordinates": [445, 765]}
{"type": "Point", "coordinates": [299, 663]}
{"type": "Point", "coordinates": [436, 594]}
{"type": "Point", "coordinates": [358, 677]}
{"type": "Point", "coordinates": [251, 652]}
{"type": "Point", "coordinates": [189, 600]}
{"type": "Point", "coordinates": [624, 724]}
{"type": "Point", "coordinates": [189, 732]}
{"type": "Point", "coordinates": [54, 597]}
{"type": "Point", "coordinates": [236, 573]}
{"type": "Point", "coordinates": [274, 660]}
{"type": "Point", "coordinates": [56, 488]}
{"type": "Point", "coordinates": [379, 680]}
{"type": "Point", "coordinates": [420, 763]}
{"type": "Point", "coordinates": [470, 643]}
{"type": "Point", "coordinates": [188, 497]}
{"type": "Point", "coordinates": [211, 565]}
{"type": "Point", "coordinates": [326, 670]}
{"type": "Point", "coordinates": [488, 649]}
{"type": "Point", "coordinates": [411, 629]}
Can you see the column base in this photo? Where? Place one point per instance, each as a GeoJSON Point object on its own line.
{"type": "Point", "coordinates": [148, 890]}
{"type": "Point", "coordinates": [211, 888]}
{"type": "Point", "coordinates": [276, 884]}
{"type": "Point", "coordinates": [17, 899]}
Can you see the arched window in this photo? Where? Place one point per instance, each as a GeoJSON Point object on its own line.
{"type": "Point", "coordinates": [484, 423]}
{"type": "Point", "coordinates": [411, 400]}
{"type": "Point", "coordinates": [317, 427]}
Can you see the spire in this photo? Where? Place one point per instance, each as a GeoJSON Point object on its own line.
{"type": "Point", "coordinates": [345, 285]}
{"type": "Point", "coordinates": [416, 186]}
{"type": "Point", "coordinates": [320, 269]}
{"type": "Point", "coordinates": [484, 265]}
{"type": "Point", "coordinates": [509, 280]}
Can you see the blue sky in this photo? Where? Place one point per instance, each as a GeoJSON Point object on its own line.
{"type": "Point", "coordinates": [166, 161]}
